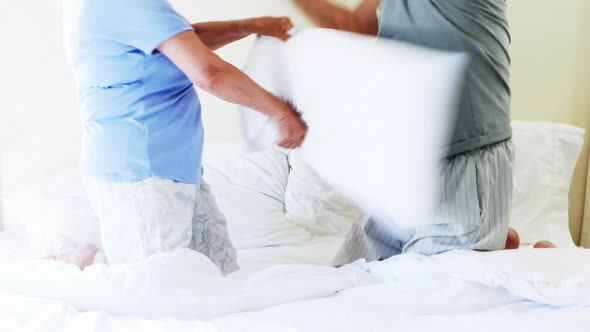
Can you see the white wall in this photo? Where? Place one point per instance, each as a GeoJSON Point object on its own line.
{"type": "Point", "coordinates": [39, 121]}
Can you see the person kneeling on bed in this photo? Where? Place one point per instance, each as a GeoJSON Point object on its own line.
{"type": "Point", "coordinates": [475, 202]}
{"type": "Point", "coordinates": [136, 62]}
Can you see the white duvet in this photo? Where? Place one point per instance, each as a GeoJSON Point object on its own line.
{"type": "Point", "coordinates": [534, 290]}
{"type": "Point", "coordinates": [180, 285]}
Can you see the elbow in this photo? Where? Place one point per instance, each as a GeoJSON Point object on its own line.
{"type": "Point", "coordinates": [347, 21]}
{"type": "Point", "coordinates": [209, 78]}
{"type": "Point", "coordinates": [353, 23]}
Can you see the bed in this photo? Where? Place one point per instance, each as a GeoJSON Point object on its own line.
{"type": "Point", "coordinates": [288, 225]}
{"type": "Point", "coordinates": [285, 243]}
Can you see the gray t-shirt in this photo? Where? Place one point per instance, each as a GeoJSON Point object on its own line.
{"type": "Point", "coordinates": [479, 28]}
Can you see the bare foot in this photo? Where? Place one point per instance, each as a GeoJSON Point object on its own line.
{"type": "Point", "coordinates": [512, 240]}
{"type": "Point", "coordinates": [81, 257]}
{"type": "Point", "coordinates": [545, 245]}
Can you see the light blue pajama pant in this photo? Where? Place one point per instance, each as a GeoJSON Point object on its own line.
{"type": "Point", "coordinates": [473, 212]}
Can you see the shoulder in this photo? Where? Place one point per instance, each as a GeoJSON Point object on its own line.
{"type": "Point", "coordinates": [117, 7]}
{"type": "Point", "coordinates": [483, 9]}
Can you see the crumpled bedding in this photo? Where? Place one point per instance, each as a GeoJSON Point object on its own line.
{"type": "Point", "coordinates": [549, 285]}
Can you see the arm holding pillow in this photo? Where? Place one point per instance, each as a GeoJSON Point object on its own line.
{"type": "Point", "coordinates": [210, 73]}
{"type": "Point", "coordinates": [218, 34]}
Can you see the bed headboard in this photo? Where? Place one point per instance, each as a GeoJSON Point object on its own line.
{"type": "Point", "coordinates": [585, 237]}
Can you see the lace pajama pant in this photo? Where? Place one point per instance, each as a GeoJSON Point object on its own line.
{"type": "Point", "coordinates": [140, 219]}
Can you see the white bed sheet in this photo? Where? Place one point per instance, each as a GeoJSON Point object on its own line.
{"type": "Point", "coordinates": [320, 251]}
{"type": "Point", "coordinates": [183, 284]}
{"type": "Point", "coordinates": [43, 315]}
{"type": "Point", "coordinates": [524, 290]}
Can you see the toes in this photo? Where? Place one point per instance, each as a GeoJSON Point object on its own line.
{"type": "Point", "coordinates": [545, 245]}
{"type": "Point", "coordinates": [512, 240]}
{"type": "Point", "coordinates": [83, 256]}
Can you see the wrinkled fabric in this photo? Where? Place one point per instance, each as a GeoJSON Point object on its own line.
{"type": "Point", "coordinates": [141, 219]}
{"type": "Point", "coordinates": [473, 212]}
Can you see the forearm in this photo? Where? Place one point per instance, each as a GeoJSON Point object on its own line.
{"type": "Point", "coordinates": [327, 15]}
{"type": "Point", "coordinates": [210, 73]}
{"type": "Point", "coordinates": [230, 84]}
{"type": "Point", "coordinates": [218, 34]}
{"type": "Point", "coordinates": [233, 86]}
{"type": "Point", "coordinates": [363, 19]}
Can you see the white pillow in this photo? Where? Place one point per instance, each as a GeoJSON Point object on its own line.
{"type": "Point", "coordinates": [250, 191]}
{"type": "Point", "coordinates": [546, 157]}
{"type": "Point", "coordinates": [313, 204]}
{"type": "Point", "coordinates": [341, 82]}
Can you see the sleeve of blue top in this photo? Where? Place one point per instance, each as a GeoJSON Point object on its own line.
{"type": "Point", "coordinates": [142, 24]}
